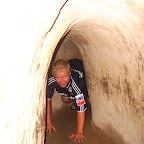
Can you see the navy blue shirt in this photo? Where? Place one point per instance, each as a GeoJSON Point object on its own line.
{"type": "Point", "coordinates": [76, 88]}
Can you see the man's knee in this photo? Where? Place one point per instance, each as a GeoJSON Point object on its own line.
{"type": "Point", "coordinates": [66, 100]}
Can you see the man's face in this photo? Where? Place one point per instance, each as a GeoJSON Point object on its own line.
{"type": "Point", "coordinates": [62, 77]}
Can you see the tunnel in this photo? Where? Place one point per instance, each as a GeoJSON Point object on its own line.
{"type": "Point", "coordinates": [106, 34]}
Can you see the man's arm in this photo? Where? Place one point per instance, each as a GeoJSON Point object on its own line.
{"type": "Point", "coordinates": [50, 126]}
{"type": "Point", "coordinates": [80, 126]}
{"type": "Point", "coordinates": [80, 122]}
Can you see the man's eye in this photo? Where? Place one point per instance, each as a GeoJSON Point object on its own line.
{"type": "Point", "coordinates": [58, 79]}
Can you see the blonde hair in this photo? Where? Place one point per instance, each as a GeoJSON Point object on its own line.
{"type": "Point", "coordinates": [59, 65]}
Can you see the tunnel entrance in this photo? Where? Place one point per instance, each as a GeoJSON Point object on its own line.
{"type": "Point", "coordinates": [66, 50]}
{"type": "Point", "coordinates": [65, 118]}
{"type": "Point", "coordinates": [62, 116]}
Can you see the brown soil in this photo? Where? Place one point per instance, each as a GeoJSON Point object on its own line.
{"type": "Point", "coordinates": [65, 123]}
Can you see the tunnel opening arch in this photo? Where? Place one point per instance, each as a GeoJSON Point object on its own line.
{"type": "Point", "coordinates": [108, 46]}
{"type": "Point", "coordinates": [92, 47]}
{"type": "Point", "coordinates": [102, 47]}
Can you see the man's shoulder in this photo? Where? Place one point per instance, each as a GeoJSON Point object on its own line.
{"type": "Point", "coordinates": [77, 74]}
{"type": "Point", "coordinates": [51, 80]}
{"type": "Point", "coordinates": [76, 64]}
{"type": "Point", "coordinates": [75, 61]}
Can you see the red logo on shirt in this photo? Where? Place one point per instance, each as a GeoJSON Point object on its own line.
{"type": "Point", "coordinates": [80, 99]}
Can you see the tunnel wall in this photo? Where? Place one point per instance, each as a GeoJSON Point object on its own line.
{"type": "Point", "coordinates": [109, 37]}
{"type": "Point", "coordinates": [26, 48]}
{"type": "Point", "coordinates": [114, 75]}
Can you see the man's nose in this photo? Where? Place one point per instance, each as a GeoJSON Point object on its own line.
{"type": "Point", "coordinates": [62, 80]}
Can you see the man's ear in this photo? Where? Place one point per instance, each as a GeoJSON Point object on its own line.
{"type": "Point", "coordinates": [70, 73]}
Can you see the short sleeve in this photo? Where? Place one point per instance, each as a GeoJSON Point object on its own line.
{"type": "Point", "coordinates": [50, 87]}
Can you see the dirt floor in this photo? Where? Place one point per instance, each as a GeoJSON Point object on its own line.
{"type": "Point", "coordinates": [65, 123]}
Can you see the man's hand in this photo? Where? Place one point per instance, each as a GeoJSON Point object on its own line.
{"type": "Point", "coordinates": [78, 137]}
{"type": "Point", "coordinates": [80, 124]}
{"type": "Point", "coordinates": [50, 127]}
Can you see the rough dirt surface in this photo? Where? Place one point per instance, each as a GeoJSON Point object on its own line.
{"type": "Point", "coordinates": [65, 123]}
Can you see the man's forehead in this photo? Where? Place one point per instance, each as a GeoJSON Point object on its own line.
{"type": "Point", "coordinates": [63, 72]}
